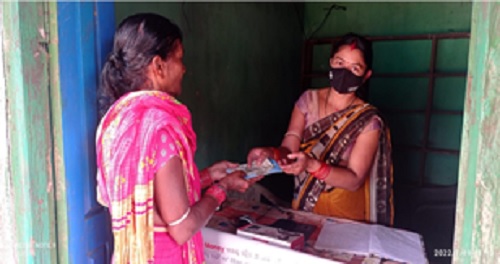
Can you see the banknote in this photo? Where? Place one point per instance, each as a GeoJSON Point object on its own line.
{"type": "Point", "coordinates": [268, 166]}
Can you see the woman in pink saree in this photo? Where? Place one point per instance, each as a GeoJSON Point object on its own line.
{"type": "Point", "coordinates": [145, 150]}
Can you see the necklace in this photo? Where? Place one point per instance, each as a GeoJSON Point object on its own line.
{"type": "Point", "coordinates": [352, 101]}
{"type": "Point", "coordinates": [335, 110]}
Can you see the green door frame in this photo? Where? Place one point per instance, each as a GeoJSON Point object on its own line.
{"type": "Point", "coordinates": [57, 133]}
{"type": "Point", "coordinates": [40, 191]}
{"type": "Point", "coordinates": [477, 225]}
{"type": "Point", "coordinates": [30, 131]}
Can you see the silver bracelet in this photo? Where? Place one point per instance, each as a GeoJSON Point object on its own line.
{"type": "Point", "coordinates": [182, 218]}
{"type": "Point", "coordinates": [293, 133]}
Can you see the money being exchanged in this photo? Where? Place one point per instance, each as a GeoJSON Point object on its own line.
{"type": "Point", "coordinates": [268, 166]}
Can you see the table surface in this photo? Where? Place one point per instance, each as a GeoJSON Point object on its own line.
{"type": "Point", "coordinates": [226, 220]}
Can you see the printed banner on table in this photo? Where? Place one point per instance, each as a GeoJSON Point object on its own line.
{"type": "Point", "coordinates": [222, 248]}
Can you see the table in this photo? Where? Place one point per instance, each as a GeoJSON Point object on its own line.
{"type": "Point", "coordinates": [223, 246]}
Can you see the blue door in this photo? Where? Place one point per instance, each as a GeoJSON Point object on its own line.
{"type": "Point", "coordinates": [85, 32]}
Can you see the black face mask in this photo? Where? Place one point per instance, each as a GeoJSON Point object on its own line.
{"type": "Point", "coordinates": [344, 81]}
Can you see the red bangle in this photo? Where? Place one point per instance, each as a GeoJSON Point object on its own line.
{"type": "Point", "coordinates": [276, 154]}
{"type": "Point", "coordinates": [322, 164]}
{"type": "Point", "coordinates": [205, 178]}
{"type": "Point", "coordinates": [217, 192]}
{"type": "Point", "coordinates": [322, 172]}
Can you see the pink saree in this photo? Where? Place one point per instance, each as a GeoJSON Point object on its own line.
{"type": "Point", "coordinates": [128, 156]}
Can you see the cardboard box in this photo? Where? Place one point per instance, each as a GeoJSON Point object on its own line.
{"type": "Point", "coordinates": [273, 235]}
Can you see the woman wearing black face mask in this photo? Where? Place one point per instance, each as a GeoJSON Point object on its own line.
{"type": "Point", "coordinates": [337, 145]}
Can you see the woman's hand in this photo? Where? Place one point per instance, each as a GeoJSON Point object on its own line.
{"type": "Point", "coordinates": [258, 155]}
{"type": "Point", "coordinates": [218, 170]}
{"type": "Point", "coordinates": [298, 166]}
{"type": "Point", "coordinates": [235, 181]}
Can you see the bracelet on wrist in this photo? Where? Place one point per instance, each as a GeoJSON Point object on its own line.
{"type": "Point", "coordinates": [205, 178]}
{"type": "Point", "coordinates": [318, 169]}
{"type": "Point", "coordinates": [322, 172]}
{"type": "Point", "coordinates": [218, 192]}
{"type": "Point", "coordinates": [276, 153]}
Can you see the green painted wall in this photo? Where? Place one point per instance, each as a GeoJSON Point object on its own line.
{"type": "Point", "coordinates": [383, 19]}
{"type": "Point", "coordinates": [388, 18]}
{"type": "Point", "coordinates": [243, 67]}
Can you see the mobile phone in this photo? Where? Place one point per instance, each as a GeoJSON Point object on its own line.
{"type": "Point", "coordinates": [290, 225]}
